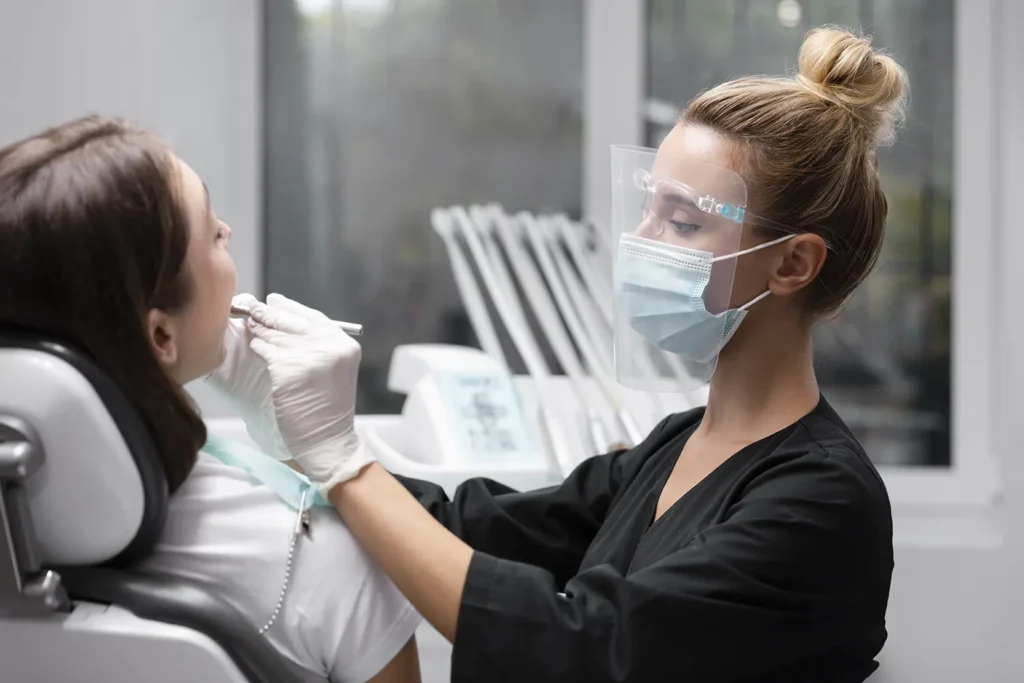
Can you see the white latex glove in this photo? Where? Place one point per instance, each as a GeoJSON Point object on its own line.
{"type": "Point", "coordinates": [243, 381]}
{"type": "Point", "coordinates": [313, 367]}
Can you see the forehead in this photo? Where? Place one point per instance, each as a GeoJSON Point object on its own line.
{"type": "Point", "coordinates": [702, 161]}
{"type": "Point", "coordinates": [689, 152]}
{"type": "Point", "coordinates": [193, 193]}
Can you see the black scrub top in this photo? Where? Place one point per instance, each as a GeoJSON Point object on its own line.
{"type": "Point", "coordinates": [776, 567]}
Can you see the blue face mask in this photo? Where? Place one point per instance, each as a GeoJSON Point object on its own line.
{"type": "Point", "coordinates": [660, 289]}
{"type": "Point", "coordinates": [292, 487]}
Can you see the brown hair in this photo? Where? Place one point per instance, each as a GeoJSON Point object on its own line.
{"type": "Point", "coordinates": [92, 237]}
{"type": "Point", "coordinates": [810, 147]}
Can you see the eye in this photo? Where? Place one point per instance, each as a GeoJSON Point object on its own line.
{"type": "Point", "coordinates": [684, 229]}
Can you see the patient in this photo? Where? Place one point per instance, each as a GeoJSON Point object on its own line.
{"type": "Point", "coordinates": [109, 242]}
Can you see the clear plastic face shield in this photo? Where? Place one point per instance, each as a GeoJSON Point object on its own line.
{"type": "Point", "coordinates": [677, 226]}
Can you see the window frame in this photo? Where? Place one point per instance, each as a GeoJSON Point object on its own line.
{"type": "Point", "coordinates": [949, 506]}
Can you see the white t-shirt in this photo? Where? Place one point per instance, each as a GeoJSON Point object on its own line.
{"type": "Point", "coordinates": [342, 617]}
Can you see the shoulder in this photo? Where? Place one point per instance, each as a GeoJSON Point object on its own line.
{"type": "Point", "coordinates": [818, 470]}
{"type": "Point", "coordinates": [820, 514]}
{"type": "Point", "coordinates": [812, 471]}
{"type": "Point", "coordinates": [223, 505]}
{"type": "Point", "coordinates": [829, 442]}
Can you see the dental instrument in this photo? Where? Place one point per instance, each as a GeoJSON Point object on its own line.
{"type": "Point", "coordinates": [351, 329]}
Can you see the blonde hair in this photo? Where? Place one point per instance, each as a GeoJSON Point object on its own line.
{"type": "Point", "coordinates": [809, 146]}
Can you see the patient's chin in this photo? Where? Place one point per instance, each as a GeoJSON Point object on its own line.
{"type": "Point", "coordinates": [198, 371]}
{"type": "Point", "coordinates": [218, 359]}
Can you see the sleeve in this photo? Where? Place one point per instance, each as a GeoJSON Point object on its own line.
{"type": "Point", "coordinates": [380, 623]}
{"type": "Point", "coordinates": [549, 528]}
{"type": "Point", "coordinates": [788, 575]}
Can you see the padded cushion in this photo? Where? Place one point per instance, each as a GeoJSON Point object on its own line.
{"type": "Point", "coordinates": [101, 496]}
{"type": "Point", "coordinates": [184, 603]}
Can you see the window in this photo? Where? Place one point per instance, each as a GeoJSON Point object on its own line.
{"type": "Point", "coordinates": [378, 111]}
{"type": "Point", "coordinates": [885, 362]}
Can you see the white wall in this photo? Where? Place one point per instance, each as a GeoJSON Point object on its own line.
{"type": "Point", "coordinates": [956, 615]}
{"type": "Point", "coordinates": [609, 73]}
{"type": "Point", "coordinates": [187, 69]}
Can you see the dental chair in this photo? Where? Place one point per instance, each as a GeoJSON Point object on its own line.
{"type": "Point", "coordinates": [82, 499]}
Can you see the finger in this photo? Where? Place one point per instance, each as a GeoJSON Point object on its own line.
{"type": "Point", "coordinates": [348, 345]}
{"type": "Point", "coordinates": [246, 300]}
{"type": "Point", "coordinates": [284, 303]}
{"type": "Point", "coordinates": [263, 349]}
{"type": "Point", "coordinates": [282, 340]}
{"type": "Point", "coordinates": [279, 319]}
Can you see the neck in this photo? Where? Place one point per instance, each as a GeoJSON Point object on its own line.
{"type": "Point", "coordinates": [762, 384]}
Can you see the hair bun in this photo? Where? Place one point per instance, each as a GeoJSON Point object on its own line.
{"type": "Point", "coordinates": [843, 68]}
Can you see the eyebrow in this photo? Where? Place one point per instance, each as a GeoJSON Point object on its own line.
{"type": "Point", "coordinates": [680, 199]}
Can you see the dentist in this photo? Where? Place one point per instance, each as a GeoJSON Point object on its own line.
{"type": "Point", "coordinates": [750, 540]}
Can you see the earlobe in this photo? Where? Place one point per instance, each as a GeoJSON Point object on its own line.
{"type": "Point", "coordinates": [162, 337]}
{"type": "Point", "coordinates": [798, 265]}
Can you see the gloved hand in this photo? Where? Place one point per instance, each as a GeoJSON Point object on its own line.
{"type": "Point", "coordinates": [313, 367]}
{"type": "Point", "coordinates": [243, 381]}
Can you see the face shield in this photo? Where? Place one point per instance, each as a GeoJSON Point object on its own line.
{"type": "Point", "coordinates": [677, 226]}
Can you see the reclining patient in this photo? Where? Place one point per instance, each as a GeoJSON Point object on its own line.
{"type": "Point", "coordinates": [108, 241]}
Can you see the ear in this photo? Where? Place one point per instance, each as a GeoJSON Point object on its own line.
{"type": "Point", "coordinates": [163, 337]}
{"type": "Point", "coordinates": [798, 264]}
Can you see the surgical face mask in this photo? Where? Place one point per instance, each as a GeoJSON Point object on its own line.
{"type": "Point", "coordinates": [660, 288]}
